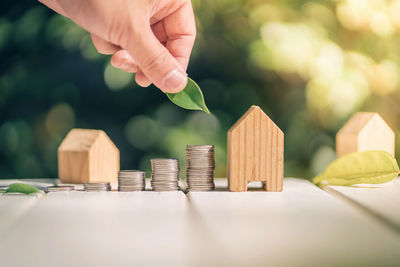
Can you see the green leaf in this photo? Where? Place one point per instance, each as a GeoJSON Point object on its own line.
{"type": "Point", "coordinates": [22, 188]}
{"type": "Point", "coordinates": [369, 167]}
{"type": "Point", "coordinates": [190, 98]}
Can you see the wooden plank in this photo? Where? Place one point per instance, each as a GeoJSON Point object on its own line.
{"type": "Point", "coordinates": [13, 207]}
{"type": "Point", "coordinates": [280, 163]}
{"type": "Point", "coordinates": [271, 181]}
{"type": "Point", "coordinates": [382, 200]}
{"type": "Point", "coordinates": [242, 155]}
{"type": "Point", "coordinates": [263, 148]}
{"type": "Point", "coordinates": [302, 226]}
{"type": "Point", "coordinates": [257, 147]}
{"type": "Point", "coordinates": [99, 229]}
{"type": "Point", "coordinates": [249, 149]}
{"type": "Point", "coordinates": [268, 172]}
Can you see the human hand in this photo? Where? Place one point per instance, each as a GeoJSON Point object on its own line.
{"type": "Point", "coordinates": [152, 38]}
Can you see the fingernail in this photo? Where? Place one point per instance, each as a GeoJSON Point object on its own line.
{"type": "Point", "coordinates": [126, 66]}
{"type": "Point", "coordinates": [175, 81]}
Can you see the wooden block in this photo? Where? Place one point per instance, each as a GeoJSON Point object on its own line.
{"type": "Point", "coordinates": [255, 152]}
{"type": "Point", "coordinates": [365, 131]}
{"type": "Point", "coordinates": [87, 156]}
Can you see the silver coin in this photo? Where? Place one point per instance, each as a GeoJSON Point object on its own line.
{"type": "Point", "coordinates": [96, 186]}
{"type": "Point", "coordinates": [125, 189]}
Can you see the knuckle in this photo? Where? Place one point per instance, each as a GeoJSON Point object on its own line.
{"type": "Point", "coordinates": [116, 31]}
{"type": "Point", "coordinates": [119, 29]}
{"type": "Point", "coordinates": [100, 49]}
{"type": "Point", "coordinates": [157, 62]}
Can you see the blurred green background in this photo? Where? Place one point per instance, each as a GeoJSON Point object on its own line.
{"type": "Point", "coordinates": [309, 64]}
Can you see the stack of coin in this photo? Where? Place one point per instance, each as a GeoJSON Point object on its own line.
{"type": "Point", "coordinates": [164, 174]}
{"type": "Point", "coordinates": [60, 188]}
{"type": "Point", "coordinates": [200, 167]}
{"type": "Point", "coordinates": [97, 186]}
{"type": "Point", "coordinates": [131, 180]}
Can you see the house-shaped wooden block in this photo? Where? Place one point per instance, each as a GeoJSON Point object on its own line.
{"type": "Point", "coordinates": [87, 156]}
{"type": "Point", "coordinates": [365, 131]}
{"type": "Point", "coordinates": [255, 152]}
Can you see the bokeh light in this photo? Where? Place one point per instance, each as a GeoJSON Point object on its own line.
{"type": "Point", "coordinates": [309, 64]}
{"type": "Point", "coordinates": [116, 79]}
{"type": "Point", "coordinates": [59, 120]}
{"type": "Point", "coordinates": [141, 132]}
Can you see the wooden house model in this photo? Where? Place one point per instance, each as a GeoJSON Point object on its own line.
{"type": "Point", "coordinates": [87, 156]}
{"type": "Point", "coordinates": [255, 152]}
{"type": "Point", "coordinates": [365, 131]}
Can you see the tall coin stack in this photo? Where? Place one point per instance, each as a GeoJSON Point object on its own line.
{"type": "Point", "coordinates": [97, 186]}
{"type": "Point", "coordinates": [200, 167]}
{"type": "Point", "coordinates": [164, 174]}
{"type": "Point", "coordinates": [131, 180]}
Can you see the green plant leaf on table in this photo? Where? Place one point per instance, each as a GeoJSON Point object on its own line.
{"type": "Point", "coordinates": [189, 98]}
{"type": "Point", "coordinates": [22, 188]}
{"type": "Point", "coordinates": [369, 167]}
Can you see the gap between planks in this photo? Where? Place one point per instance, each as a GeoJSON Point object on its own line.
{"type": "Point", "coordinates": [378, 217]}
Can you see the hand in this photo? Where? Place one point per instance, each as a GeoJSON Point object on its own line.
{"type": "Point", "coordinates": [152, 38]}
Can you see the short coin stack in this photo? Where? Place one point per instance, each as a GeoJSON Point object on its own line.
{"type": "Point", "coordinates": [131, 180]}
{"type": "Point", "coordinates": [200, 167]}
{"type": "Point", "coordinates": [97, 186]}
{"type": "Point", "coordinates": [60, 188]}
{"type": "Point", "coordinates": [164, 174]}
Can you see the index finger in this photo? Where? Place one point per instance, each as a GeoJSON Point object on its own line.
{"type": "Point", "coordinates": [180, 29]}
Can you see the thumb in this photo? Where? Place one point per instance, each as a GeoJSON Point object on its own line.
{"type": "Point", "coordinates": [156, 62]}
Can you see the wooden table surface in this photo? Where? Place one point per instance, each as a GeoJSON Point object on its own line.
{"type": "Point", "coordinates": [302, 226]}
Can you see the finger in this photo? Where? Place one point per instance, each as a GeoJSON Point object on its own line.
{"type": "Point", "coordinates": [156, 62]}
{"type": "Point", "coordinates": [103, 46]}
{"type": "Point", "coordinates": [159, 31]}
{"type": "Point", "coordinates": [141, 79]}
{"type": "Point", "coordinates": [122, 60]}
{"type": "Point", "coordinates": [54, 5]}
{"type": "Point", "coordinates": [180, 29]}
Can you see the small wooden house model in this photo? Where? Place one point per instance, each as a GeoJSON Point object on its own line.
{"type": "Point", "coordinates": [365, 131]}
{"type": "Point", "coordinates": [255, 152]}
{"type": "Point", "coordinates": [87, 156]}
